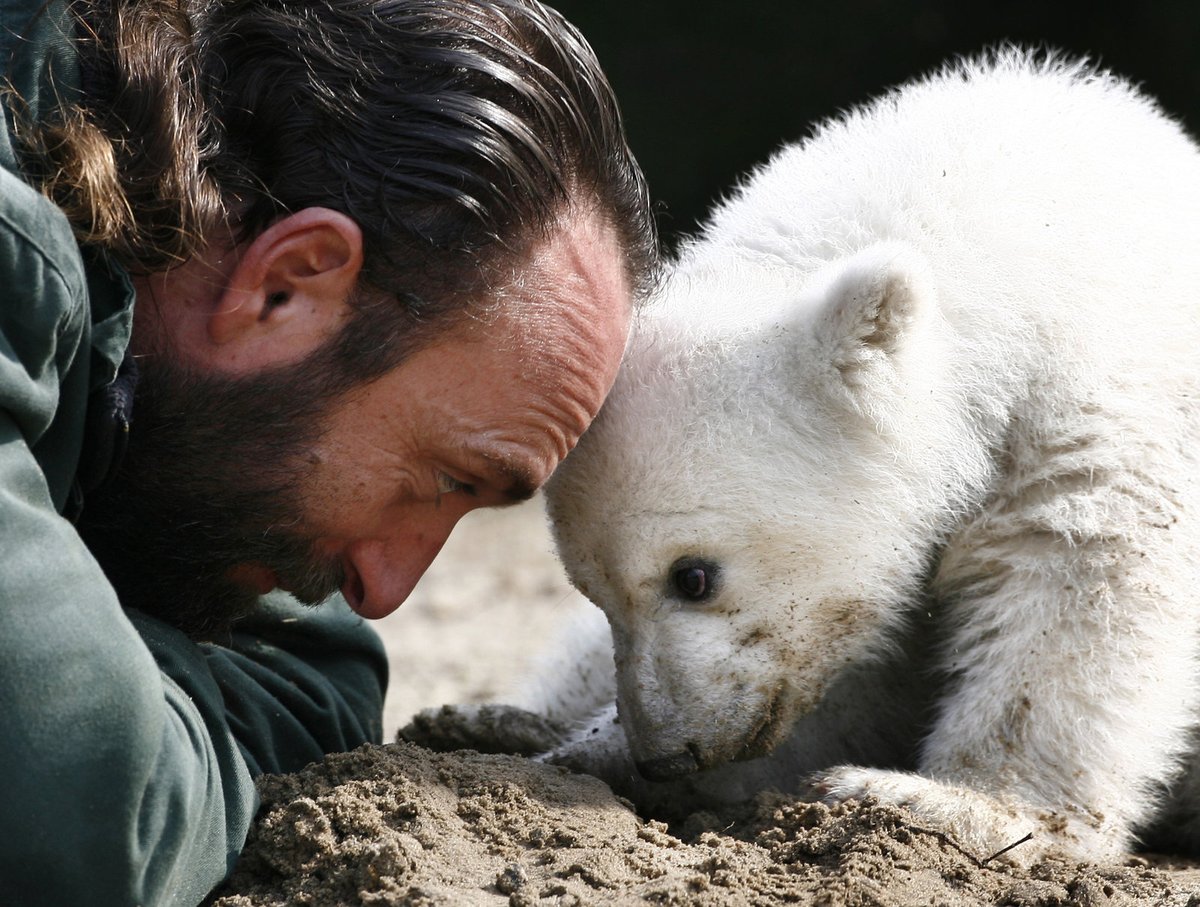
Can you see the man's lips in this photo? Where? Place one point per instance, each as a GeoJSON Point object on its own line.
{"type": "Point", "coordinates": [258, 577]}
{"type": "Point", "coordinates": [261, 579]}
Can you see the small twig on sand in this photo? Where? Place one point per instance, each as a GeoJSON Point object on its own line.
{"type": "Point", "coordinates": [950, 842]}
{"type": "Point", "coordinates": [1004, 850]}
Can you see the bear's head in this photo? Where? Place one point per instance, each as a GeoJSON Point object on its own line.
{"type": "Point", "coordinates": [759, 496]}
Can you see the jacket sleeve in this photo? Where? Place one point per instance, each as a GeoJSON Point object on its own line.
{"type": "Point", "coordinates": [124, 785]}
{"type": "Point", "coordinates": [129, 750]}
{"type": "Point", "coordinates": [300, 682]}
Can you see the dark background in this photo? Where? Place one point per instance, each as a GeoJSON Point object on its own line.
{"type": "Point", "coordinates": [710, 88]}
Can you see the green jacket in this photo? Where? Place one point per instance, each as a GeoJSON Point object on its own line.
{"type": "Point", "coordinates": [127, 750]}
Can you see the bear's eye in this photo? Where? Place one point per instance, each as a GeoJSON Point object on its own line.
{"type": "Point", "coordinates": [693, 579]}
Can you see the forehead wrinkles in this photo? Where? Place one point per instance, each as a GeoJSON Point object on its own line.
{"type": "Point", "coordinates": [564, 314]}
{"type": "Point", "coordinates": [545, 407]}
{"type": "Point", "coordinates": [552, 336]}
{"type": "Point", "coordinates": [579, 302]}
{"type": "Point", "coordinates": [572, 274]}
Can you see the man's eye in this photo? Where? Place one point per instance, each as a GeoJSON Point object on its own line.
{"type": "Point", "coordinates": [448, 485]}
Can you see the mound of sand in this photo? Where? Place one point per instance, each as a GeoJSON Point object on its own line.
{"type": "Point", "coordinates": [399, 824]}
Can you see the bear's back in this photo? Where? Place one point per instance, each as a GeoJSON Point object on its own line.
{"type": "Point", "coordinates": [1033, 186]}
{"type": "Point", "coordinates": [1057, 207]}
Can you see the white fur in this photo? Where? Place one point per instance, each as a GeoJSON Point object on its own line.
{"type": "Point", "coordinates": [926, 393]}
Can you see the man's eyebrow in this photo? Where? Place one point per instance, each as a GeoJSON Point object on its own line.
{"type": "Point", "coordinates": [520, 484]}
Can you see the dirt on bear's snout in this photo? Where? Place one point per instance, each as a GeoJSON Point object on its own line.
{"type": "Point", "coordinates": [398, 824]}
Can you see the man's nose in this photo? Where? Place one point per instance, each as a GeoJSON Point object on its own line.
{"type": "Point", "coordinates": [380, 573]}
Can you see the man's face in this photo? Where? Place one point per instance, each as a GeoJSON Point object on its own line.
{"type": "Point", "coordinates": [237, 488]}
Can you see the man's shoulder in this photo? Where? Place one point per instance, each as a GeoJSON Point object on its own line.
{"type": "Point", "coordinates": [40, 265]}
{"type": "Point", "coordinates": [45, 325]}
{"type": "Point", "coordinates": [36, 242]}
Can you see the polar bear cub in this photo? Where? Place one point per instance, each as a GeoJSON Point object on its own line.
{"type": "Point", "coordinates": [900, 482]}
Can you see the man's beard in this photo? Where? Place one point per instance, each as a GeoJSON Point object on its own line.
{"type": "Point", "coordinates": [210, 480]}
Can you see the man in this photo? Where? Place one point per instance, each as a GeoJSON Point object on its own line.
{"type": "Point", "coordinates": [288, 288]}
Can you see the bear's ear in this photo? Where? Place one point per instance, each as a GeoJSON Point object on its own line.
{"type": "Point", "coordinates": [872, 308]}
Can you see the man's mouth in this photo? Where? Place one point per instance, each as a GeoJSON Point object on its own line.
{"type": "Point", "coordinates": [311, 580]}
{"type": "Point", "coordinates": [259, 578]}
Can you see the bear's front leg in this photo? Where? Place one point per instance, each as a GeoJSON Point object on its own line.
{"type": "Point", "coordinates": [1071, 665]}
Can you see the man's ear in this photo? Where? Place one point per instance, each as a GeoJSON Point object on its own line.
{"type": "Point", "coordinates": [289, 291]}
{"type": "Point", "coordinates": [872, 309]}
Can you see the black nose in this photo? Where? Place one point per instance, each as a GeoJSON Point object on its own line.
{"type": "Point", "coordinates": [667, 767]}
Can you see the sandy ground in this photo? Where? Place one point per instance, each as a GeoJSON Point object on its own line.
{"type": "Point", "coordinates": [399, 825]}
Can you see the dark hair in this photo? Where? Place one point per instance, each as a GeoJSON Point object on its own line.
{"type": "Point", "coordinates": [454, 132]}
